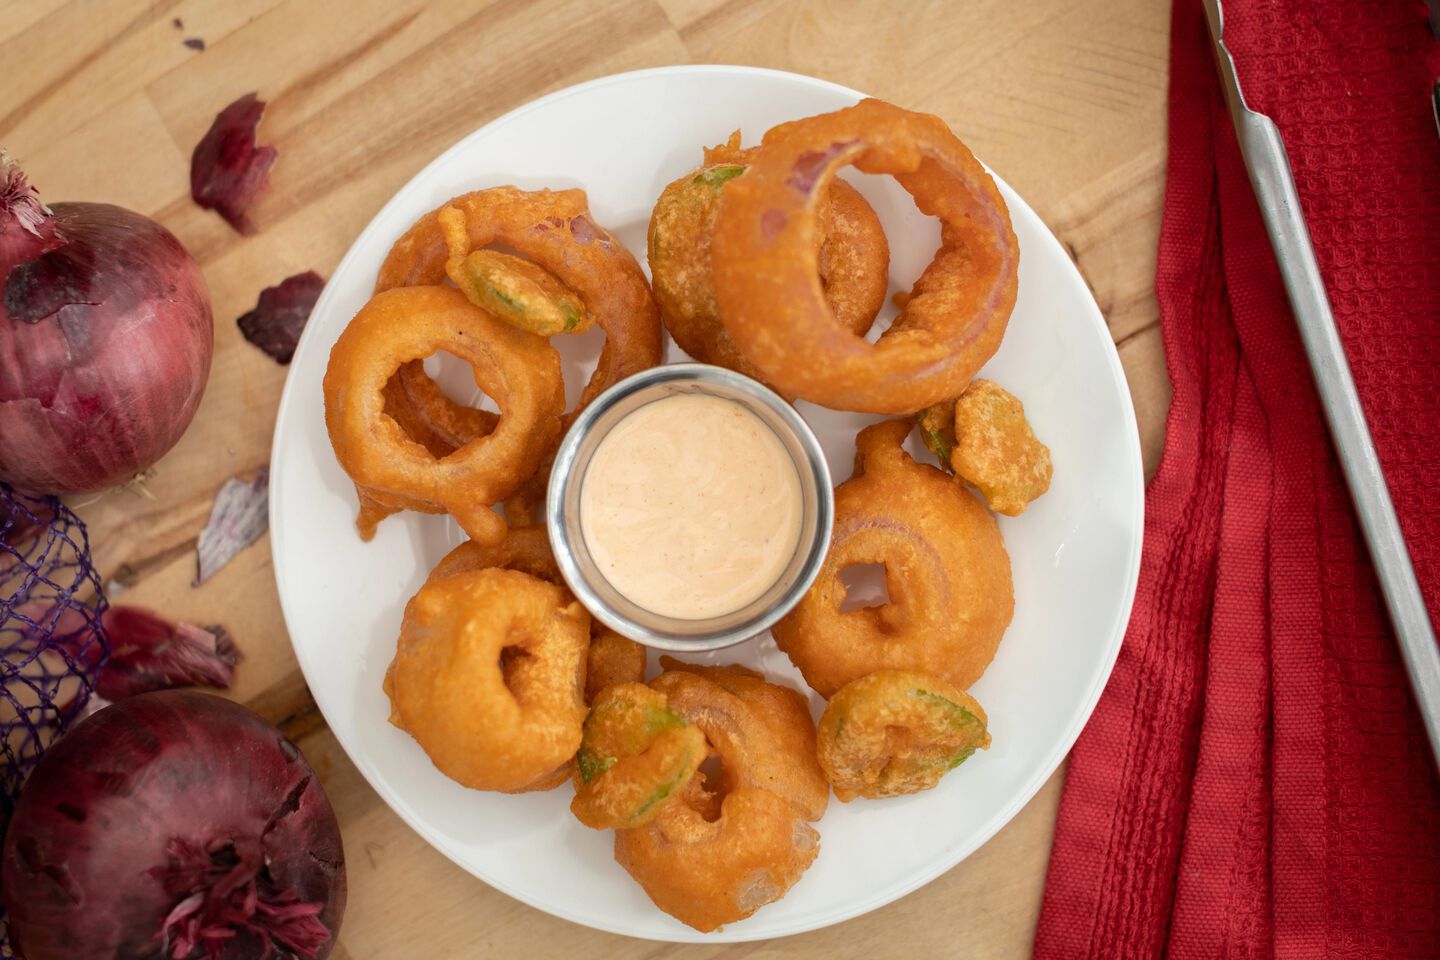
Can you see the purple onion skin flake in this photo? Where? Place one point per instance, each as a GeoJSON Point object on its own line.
{"type": "Point", "coordinates": [280, 314]}
{"type": "Point", "coordinates": [228, 172]}
{"type": "Point", "coordinates": [239, 517]}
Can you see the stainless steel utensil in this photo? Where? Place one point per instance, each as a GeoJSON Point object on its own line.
{"type": "Point", "coordinates": [1274, 185]}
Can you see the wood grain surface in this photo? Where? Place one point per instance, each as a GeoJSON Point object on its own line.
{"type": "Point", "coordinates": [103, 100]}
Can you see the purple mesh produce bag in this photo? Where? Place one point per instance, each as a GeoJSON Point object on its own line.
{"type": "Point", "coordinates": [51, 644]}
{"type": "Point", "coordinates": [50, 637]}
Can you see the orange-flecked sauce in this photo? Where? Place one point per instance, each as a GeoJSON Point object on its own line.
{"type": "Point", "coordinates": [691, 506]}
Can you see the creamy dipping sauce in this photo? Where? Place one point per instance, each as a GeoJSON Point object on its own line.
{"type": "Point", "coordinates": [691, 506]}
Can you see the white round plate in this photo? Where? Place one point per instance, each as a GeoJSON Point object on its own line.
{"type": "Point", "coordinates": [1075, 552]}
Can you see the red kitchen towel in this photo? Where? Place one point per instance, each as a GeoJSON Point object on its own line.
{"type": "Point", "coordinates": [1256, 781]}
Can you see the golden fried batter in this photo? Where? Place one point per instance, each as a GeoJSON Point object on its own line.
{"type": "Point", "coordinates": [764, 260]}
{"type": "Point", "coordinates": [892, 733]}
{"type": "Point", "coordinates": [995, 449]}
{"type": "Point", "coordinates": [517, 291]}
{"type": "Point", "coordinates": [526, 549]}
{"type": "Point", "coordinates": [937, 429]}
{"type": "Point", "coordinates": [553, 229]}
{"type": "Point", "coordinates": [613, 659]}
{"type": "Point", "coordinates": [708, 871]}
{"type": "Point", "coordinates": [737, 838]}
{"type": "Point", "coordinates": [946, 571]}
{"type": "Point", "coordinates": [636, 754]}
{"type": "Point", "coordinates": [489, 677]}
{"type": "Point", "coordinates": [853, 262]}
{"type": "Point", "coordinates": [390, 469]}
{"type": "Point", "coordinates": [761, 730]}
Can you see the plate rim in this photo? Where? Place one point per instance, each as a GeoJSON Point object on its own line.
{"type": "Point", "coordinates": [940, 865]}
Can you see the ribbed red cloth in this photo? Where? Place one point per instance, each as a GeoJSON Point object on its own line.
{"type": "Point", "coordinates": [1256, 781]}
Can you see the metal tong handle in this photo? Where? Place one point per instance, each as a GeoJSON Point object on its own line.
{"type": "Point", "coordinates": [1270, 175]}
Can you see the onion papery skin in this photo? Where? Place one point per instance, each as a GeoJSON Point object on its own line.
{"type": "Point", "coordinates": [94, 859]}
{"type": "Point", "coordinates": [99, 389]}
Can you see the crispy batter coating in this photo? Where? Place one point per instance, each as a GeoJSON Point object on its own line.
{"type": "Point", "coordinates": [996, 450]}
{"type": "Point", "coordinates": [390, 469]}
{"type": "Point", "coordinates": [761, 730]}
{"type": "Point", "coordinates": [764, 260]}
{"type": "Point", "coordinates": [526, 506]}
{"type": "Point", "coordinates": [430, 418]}
{"type": "Point", "coordinates": [892, 733]}
{"type": "Point", "coordinates": [526, 549]}
{"type": "Point", "coordinates": [635, 755]}
{"type": "Point", "coordinates": [737, 840]}
{"type": "Point", "coordinates": [937, 430]}
{"type": "Point", "coordinates": [710, 871]}
{"type": "Point", "coordinates": [946, 570]}
{"type": "Point", "coordinates": [517, 291]}
{"type": "Point", "coordinates": [614, 659]}
{"type": "Point", "coordinates": [611, 659]}
{"type": "Point", "coordinates": [489, 675]}
{"type": "Point", "coordinates": [853, 259]}
{"type": "Point", "coordinates": [554, 230]}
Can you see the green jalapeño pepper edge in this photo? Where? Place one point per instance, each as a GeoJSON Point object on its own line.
{"type": "Point", "coordinates": [717, 176]}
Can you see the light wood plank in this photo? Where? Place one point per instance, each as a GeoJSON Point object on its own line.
{"type": "Point", "coordinates": [77, 164]}
{"type": "Point", "coordinates": [17, 16]}
{"type": "Point", "coordinates": [90, 55]}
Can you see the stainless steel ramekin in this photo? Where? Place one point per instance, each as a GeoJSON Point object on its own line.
{"type": "Point", "coordinates": [562, 508]}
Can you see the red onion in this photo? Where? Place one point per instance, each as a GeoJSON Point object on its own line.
{"type": "Point", "coordinates": [177, 825]}
{"type": "Point", "coordinates": [105, 341]}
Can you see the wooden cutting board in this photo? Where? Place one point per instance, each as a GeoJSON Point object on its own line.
{"type": "Point", "coordinates": [104, 100]}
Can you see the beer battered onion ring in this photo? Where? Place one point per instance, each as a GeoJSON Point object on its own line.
{"type": "Point", "coordinates": [762, 731]}
{"type": "Point", "coordinates": [392, 471]}
{"type": "Point", "coordinates": [766, 271]}
{"type": "Point", "coordinates": [635, 754]}
{"type": "Point", "coordinates": [488, 718]}
{"type": "Point", "coordinates": [946, 571]}
{"type": "Point", "coordinates": [892, 733]}
{"type": "Point", "coordinates": [552, 229]}
{"type": "Point", "coordinates": [432, 419]}
{"type": "Point", "coordinates": [612, 658]}
{"type": "Point", "coordinates": [720, 851]}
{"type": "Point", "coordinates": [707, 872]}
{"type": "Point", "coordinates": [853, 263]}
